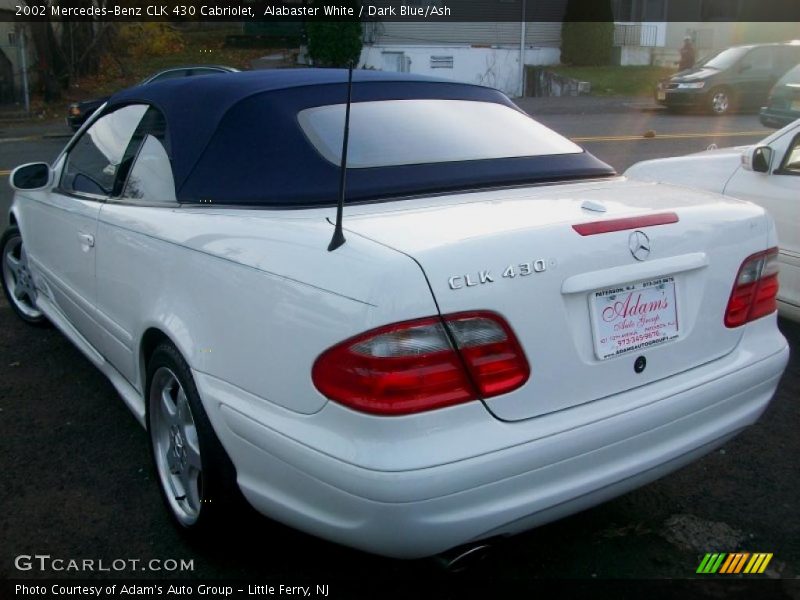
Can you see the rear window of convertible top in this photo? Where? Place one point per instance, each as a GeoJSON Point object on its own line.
{"type": "Point", "coordinates": [424, 131]}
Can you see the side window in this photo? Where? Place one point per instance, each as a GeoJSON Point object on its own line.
{"type": "Point", "coordinates": [758, 59]}
{"type": "Point", "coordinates": [174, 74]}
{"type": "Point", "coordinates": [150, 179]}
{"type": "Point", "coordinates": [148, 172]}
{"type": "Point", "coordinates": [93, 163]}
{"type": "Point", "coordinates": [203, 72]}
{"type": "Point", "coordinates": [789, 57]}
{"type": "Point", "coordinates": [791, 161]}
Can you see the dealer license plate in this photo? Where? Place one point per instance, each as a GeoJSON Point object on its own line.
{"type": "Point", "coordinates": [634, 316]}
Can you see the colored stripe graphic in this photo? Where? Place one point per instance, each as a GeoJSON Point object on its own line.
{"type": "Point", "coordinates": [735, 562]}
{"type": "Point", "coordinates": [758, 563]}
{"type": "Point", "coordinates": [753, 564]}
{"type": "Point", "coordinates": [715, 565]}
{"type": "Point", "coordinates": [730, 564]}
{"type": "Point", "coordinates": [727, 564]}
{"type": "Point", "coordinates": [740, 564]}
{"type": "Point", "coordinates": [703, 564]}
{"type": "Point", "coordinates": [711, 563]}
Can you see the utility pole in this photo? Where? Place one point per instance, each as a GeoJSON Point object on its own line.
{"type": "Point", "coordinates": [522, 36]}
{"type": "Point", "coordinates": [23, 61]}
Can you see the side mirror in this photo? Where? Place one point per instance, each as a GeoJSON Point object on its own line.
{"type": "Point", "coordinates": [33, 176]}
{"type": "Point", "coordinates": [757, 159]}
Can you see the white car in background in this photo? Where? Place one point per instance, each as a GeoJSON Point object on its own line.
{"type": "Point", "coordinates": [767, 173]}
{"type": "Point", "coordinates": [506, 333]}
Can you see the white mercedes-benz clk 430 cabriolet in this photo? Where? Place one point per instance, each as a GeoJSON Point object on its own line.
{"type": "Point", "coordinates": [503, 331]}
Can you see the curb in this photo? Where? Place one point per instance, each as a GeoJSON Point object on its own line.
{"type": "Point", "coordinates": [32, 138]}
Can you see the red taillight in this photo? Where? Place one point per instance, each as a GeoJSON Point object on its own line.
{"type": "Point", "coordinates": [755, 291]}
{"type": "Point", "coordinates": [611, 225]}
{"type": "Point", "coordinates": [413, 367]}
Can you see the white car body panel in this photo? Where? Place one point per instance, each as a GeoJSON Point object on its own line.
{"type": "Point", "coordinates": [721, 171]}
{"type": "Point", "coordinates": [60, 229]}
{"type": "Point", "coordinates": [710, 170]}
{"type": "Point", "coordinates": [497, 230]}
{"type": "Point", "coordinates": [237, 264]}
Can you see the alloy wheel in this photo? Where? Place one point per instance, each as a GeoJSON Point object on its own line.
{"type": "Point", "coordinates": [720, 102]}
{"type": "Point", "coordinates": [18, 279]}
{"type": "Point", "coordinates": [176, 446]}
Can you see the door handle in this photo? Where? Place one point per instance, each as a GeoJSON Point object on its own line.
{"type": "Point", "coordinates": [86, 239]}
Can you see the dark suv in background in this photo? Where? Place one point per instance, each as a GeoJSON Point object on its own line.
{"type": "Point", "coordinates": [738, 78]}
{"type": "Point", "coordinates": [783, 104]}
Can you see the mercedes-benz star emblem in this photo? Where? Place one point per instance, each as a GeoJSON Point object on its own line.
{"type": "Point", "coordinates": [639, 245]}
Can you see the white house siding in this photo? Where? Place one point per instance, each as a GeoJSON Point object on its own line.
{"type": "Point", "coordinates": [493, 67]}
{"type": "Point", "coordinates": [483, 33]}
{"type": "Point", "coordinates": [715, 36]}
{"type": "Point", "coordinates": [486, 53]}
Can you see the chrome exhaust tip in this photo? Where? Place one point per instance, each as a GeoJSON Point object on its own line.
{"type": "Point", "coordinates": [463, 557]}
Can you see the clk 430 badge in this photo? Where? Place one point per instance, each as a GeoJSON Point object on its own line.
{"type": "Point", "coordinates": [456, 282]}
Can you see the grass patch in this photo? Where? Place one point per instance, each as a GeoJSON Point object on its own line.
{"type": "Point", "coordinates": [617, 81]}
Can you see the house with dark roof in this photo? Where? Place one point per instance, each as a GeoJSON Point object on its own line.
{"type": "Point", "coordinates": [14, 40]}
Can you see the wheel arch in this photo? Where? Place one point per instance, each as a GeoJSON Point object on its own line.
{"type": "Point", "coordinates": [151, 339]}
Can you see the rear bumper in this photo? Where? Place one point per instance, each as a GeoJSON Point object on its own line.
{"type": "Point", "coordinates": [416, 486]}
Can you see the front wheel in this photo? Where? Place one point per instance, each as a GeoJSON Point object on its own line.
{"type": "Point", "coordinates": [720, 101]}
{"type": "Point", "coordinates": [196, 478]}
{"type": "Point", "coordinates": [18, 283]}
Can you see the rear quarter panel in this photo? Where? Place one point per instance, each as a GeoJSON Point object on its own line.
{"type": "Point", "coordinates": [249, 297]}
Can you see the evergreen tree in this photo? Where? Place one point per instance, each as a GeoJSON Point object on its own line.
{"type": "Point", "coordinates": [587, 33]}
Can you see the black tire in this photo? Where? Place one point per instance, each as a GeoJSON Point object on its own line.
{"type": "Point", "coordinates": [219, 497]}
{"type": "Point", "coordinates": [25, 308]}
{"type": "Point", "coordinates": [720, 101]}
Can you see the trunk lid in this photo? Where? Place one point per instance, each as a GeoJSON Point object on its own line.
{"type": "Point", "coordinates": [516, 252]}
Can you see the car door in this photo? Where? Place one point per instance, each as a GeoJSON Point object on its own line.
{"type": "Point", "coordinates": [756, 76]}
{"type": "Point", "coordinates": [788, 57]}
{"type": "Point", "coordinates": [63, 224]}
{"type": "Point", "coordinates": [778, 191]}
{"type": "Point", "coordinates": [128, 232]}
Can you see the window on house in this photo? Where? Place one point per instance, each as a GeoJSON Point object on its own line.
{"type": "Point", "coordinates": [441, 62]}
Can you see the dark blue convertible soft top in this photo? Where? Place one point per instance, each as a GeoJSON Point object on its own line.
{"type": "Point", "coordinates": [235, 139]}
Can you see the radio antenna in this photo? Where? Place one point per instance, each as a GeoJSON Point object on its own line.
{"type": "Point", "coordinates": [338, 236]}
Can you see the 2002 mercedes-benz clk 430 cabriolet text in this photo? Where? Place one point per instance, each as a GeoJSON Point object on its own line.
{"type": "Point", "coordinates": [509, 333]}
